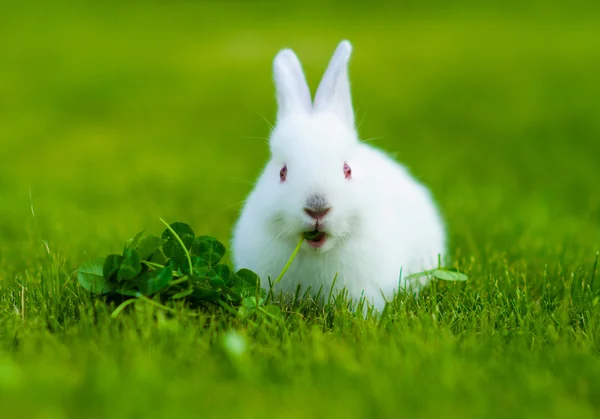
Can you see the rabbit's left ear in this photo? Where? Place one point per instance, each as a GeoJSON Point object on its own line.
{"type": "Point", "coordinates": [333, 94]}
{"type": "Point", "coordinates": [291, 88]}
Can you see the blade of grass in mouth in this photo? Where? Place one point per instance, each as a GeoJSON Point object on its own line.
{"type": "Point", "coordinates": [291, 259]}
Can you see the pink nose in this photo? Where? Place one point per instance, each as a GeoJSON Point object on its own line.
{"type": "Point", "coordinates": [317, 213]}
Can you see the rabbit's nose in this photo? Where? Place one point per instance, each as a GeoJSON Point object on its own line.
{"type": "Point", "coordinates": [318, 214]}
{"type": "Point", "coordinates": [316, 207]}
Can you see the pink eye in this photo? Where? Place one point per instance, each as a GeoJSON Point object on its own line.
{"type": "Point", "coordinates": [283, 173]}
{"type": "Point", "coordinates": [347, 171]}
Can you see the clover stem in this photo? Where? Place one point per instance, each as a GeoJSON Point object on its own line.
{"type": "Point", "coordinates": [153, 264]}
{"type": "Point", "coordinates": [179, 281]}
{"type": "Point", "coordinates": [159, 305]}
{"type": "Point", "coordinates": [121, 307]}
{"type": "Point", "coordinates": [189, 258]}
{"type": "Point", "coordinates": [291, 259]}
{"type": "Point", "coordinates": [140, 297]}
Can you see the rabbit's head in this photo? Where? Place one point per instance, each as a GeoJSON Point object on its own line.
{"type": "Point", "coordinates": [314, 173]}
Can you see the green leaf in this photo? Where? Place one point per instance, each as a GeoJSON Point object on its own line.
{"type": "Point", "coordinates": [246, 282]}
{"type": "Point", "coordinates": [273, 311]}
{"type": "Point", "coordinates": [244, 311]}
{"type": "Point", "coordinates": [441, 273]}
{"type": "Point", "coordinates": [311, 235]}
{"type": "Point", "coordinates": [251, 302]}
{"type": "Point", "coordinates": [153, 281]}
{"type": "Point", "coordinates": [158, 257]}
{"type": "Point", "coordinates": [131, 265]}
{"type": "Point", "coordinates": [173, 265]}
{"type": "Point", "coordinates": [216, 283]}
{"type": "Point", "coordinates": [91, 278]}
{"type": "Point", "coordinates": [134, 242]}
{"type": "Point", "coordinates": [219, 276]}
{"type": "Point", "coordinates": [200, 271]}
{"type": "Point", "coordinates": [232, 295]}
{"type": "Point", "coordinates": [111, 266]}
{"type": "Point", "coordinates": [416, 275]}
{"type": "Point", "coordinates": [199, 266]}
{"type": "Point", "coordinates": [447, 275]}
{"type": "Point", "coordinates": [208, 249]}
{"type": "Point", "coordinates": [198, 262]}
{"type": "Point", "coordinates": [171, 246]}
{"type": "Point", "coordinates": [205, 295]}
{"type": "Point", "coordinates": [182, 294]}
{"type": "Point", "coordinates": [221, 272]}
{"type": "Point", "coordinates": [248, 277]}
{"type": "Point", "coordinates": [148, 246]}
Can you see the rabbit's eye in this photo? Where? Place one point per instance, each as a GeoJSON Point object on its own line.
{"type": "Point", "coordinates": [283, 173]}
{"type": "Point", "coordinates": [347, 171]}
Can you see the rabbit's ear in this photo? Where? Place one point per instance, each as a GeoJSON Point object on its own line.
{"type": "Point", "coordinates": [333, 93]}
{"type": "Point", "coordinates": [290, 84]}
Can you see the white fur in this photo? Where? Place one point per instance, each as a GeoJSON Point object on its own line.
{"type": "Point", "coordinates": [382, 221]}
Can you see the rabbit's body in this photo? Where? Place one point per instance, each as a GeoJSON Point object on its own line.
{"type": "Point", "coordinates": [372, 219]}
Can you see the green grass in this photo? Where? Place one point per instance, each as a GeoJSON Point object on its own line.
{"type": "Point", "coordinates": [115, 116]}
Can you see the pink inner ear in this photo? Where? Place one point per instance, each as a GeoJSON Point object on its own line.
{"type": "Point", "coordinates": [347, 171]}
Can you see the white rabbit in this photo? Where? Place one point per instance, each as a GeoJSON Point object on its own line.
{"type": "Point", "coordinates": [363, 215]}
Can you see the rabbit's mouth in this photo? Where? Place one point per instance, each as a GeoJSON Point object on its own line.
{"type": "Point", "coordinates": [315, 238]}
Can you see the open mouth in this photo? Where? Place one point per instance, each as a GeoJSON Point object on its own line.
{"type": "Point", "coordinates": [315, 238]}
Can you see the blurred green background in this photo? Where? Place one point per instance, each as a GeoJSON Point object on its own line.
{"type": "Point", "coordinates": [114, 114]}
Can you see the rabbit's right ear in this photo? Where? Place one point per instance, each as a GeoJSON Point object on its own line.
{"type": "Point", "coordinates": [333, 93]}
{"type": "Point", "coordinates": [291, 88]}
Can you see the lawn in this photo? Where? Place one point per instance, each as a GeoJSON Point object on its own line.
{"type": "Point", "coordinates": [115, 115]}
